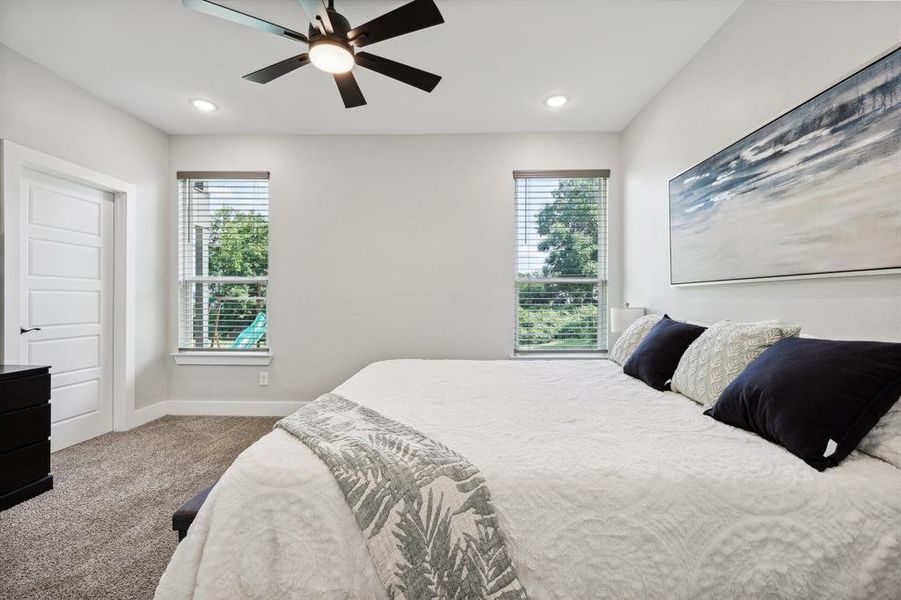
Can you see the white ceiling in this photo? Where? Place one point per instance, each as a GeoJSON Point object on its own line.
{"type": "Point", "coordinates": [499, 59]}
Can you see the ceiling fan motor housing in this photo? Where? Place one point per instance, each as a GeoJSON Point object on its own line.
{"type": "Point", "coordinates": [340, 25]}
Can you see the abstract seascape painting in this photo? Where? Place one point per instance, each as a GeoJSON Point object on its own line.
{"type": "Point", "coordinates": [816, 191]}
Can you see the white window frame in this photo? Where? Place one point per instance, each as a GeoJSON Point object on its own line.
{"type": "Point", "coordinates": [601, 280]}
{"type": "Point", "coordinates": [223, 356]}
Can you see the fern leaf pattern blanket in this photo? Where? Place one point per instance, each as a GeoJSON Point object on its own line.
{"type": "Point", "coordinates": [424, 509]}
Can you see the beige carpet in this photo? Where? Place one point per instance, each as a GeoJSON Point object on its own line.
{"type": "Point", "coordinates": [105, 530]}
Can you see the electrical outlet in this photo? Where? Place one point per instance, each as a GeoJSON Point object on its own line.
{"type": "Point", "coordinates": [264, 377]}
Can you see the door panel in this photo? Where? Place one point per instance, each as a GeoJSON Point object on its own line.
{"type": "Point", "coordinates": [75, 400]}
{"type": "Point", "coordinates": [66, 248]}
{"type": "Point", "coordinates": [61, 259]}
{"type": "Point", "coordinates": [55, 208]}
{"type": "Point", "coordinates": [63, 307]}
{"type": "Point", "coordinates": [66, 354]}
{"type": "Point", "coordinates": [73, 377]}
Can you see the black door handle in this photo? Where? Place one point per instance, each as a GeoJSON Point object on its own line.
{"type": "Point", "coordinates": [23, 330]}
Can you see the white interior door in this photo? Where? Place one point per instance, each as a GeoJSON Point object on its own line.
{"type": "Point", "coordinates": [65, 305]}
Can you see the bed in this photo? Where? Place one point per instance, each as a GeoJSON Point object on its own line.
{"type": "Point", "coordinates": [604, 488]}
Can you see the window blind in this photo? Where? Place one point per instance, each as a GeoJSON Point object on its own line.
{"type": "Point", "coordinates": [561, 261]}
{"type": "Point", "coordinates": [223, 261]}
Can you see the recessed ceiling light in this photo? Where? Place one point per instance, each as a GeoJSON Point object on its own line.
{"type": "Point", "coordinates": [556, 101]}
{"type": "Point", "coordinates": [204, 105]}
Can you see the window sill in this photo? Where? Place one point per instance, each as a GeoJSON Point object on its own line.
{"type": "Point", "coordinates": [222, 358]}
{"type": "Point", "coordinates": [559, 356]}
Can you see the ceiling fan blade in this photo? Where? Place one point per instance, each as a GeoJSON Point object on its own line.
{"type": "Point", "coordinates": [316, 8]}
{"type": "Point", "coordinates": [404, 73]}
{"type": "Point", "coordinates": [267, 74]}
{"type": "Point", "coordinates": [236, 16]}
{"type": "Point", "coordinates": [411, 17]}
{"type": "Point", "coordinates": [350, 91]}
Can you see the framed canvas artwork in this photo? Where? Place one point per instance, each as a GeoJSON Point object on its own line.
{"type": "Point", "coordinates": [815, 192]}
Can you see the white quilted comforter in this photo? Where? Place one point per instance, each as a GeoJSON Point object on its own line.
{"type": "Point", "coordinates": [605, 488]}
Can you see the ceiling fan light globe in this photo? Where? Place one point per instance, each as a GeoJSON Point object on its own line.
{"type": "Point", "coordinates": [331, 57]}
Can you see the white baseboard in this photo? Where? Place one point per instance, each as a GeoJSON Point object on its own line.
{"type": "Point", "coordinates": [148, 414]}
{"type": "Point", "coordinates": [230, 408]}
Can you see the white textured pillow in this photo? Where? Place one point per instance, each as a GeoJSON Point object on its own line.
{"type": "Point", "coordinates": [630, 339]}
{"type": "Point", "coordinates": [720, 354]}
{"type": "Point", "coordinates": [884, 440]}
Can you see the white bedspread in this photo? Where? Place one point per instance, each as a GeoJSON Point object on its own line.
{"type": "Point", "coordinates": [605, 488]}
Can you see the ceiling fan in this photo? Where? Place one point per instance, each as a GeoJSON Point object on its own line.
{"type": "Point", "coordinates": [333, 43]}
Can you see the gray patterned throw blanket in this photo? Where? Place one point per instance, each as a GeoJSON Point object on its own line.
{"type": "Point", "coordinates": [424, 509]}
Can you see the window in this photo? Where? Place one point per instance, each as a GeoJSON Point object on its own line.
{"type": "Point", "coordinates": [223, 261]}
{"type": "Point", "coordinates": [561, 261]}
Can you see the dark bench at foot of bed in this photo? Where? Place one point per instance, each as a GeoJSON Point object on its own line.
{"type": "Point", "coordinates": [184, 516]}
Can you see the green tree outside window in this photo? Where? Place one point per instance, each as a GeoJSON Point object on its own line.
{"type": "Point", "coordinates": [238, 247]}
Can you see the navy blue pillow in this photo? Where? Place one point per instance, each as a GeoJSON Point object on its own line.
{"type": "Point", "coordinates": [816, 398]}
{"type": "Point", "coordinates": [657, 356]}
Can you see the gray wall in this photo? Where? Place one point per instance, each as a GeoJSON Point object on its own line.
{"type": "Point", "coordinates": [769, 57]}
{"type": "Point", "coordinates": [44, 112]}
{"type": "Point", "coordinates": [381, 247]}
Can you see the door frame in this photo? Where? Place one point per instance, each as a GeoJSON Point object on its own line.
{"type": "Point", "coordinates": [13, 158]}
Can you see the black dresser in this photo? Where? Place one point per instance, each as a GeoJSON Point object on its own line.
{"type": "Point", "coordinates": [24, 433]}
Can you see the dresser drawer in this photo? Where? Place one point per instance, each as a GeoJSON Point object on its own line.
{"type": "Point", "coordinates": [23, 392]}
{"type": "Point", "coordinates": [24, 427]}
{"type": "Point", "coordinates": [23, 466]}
